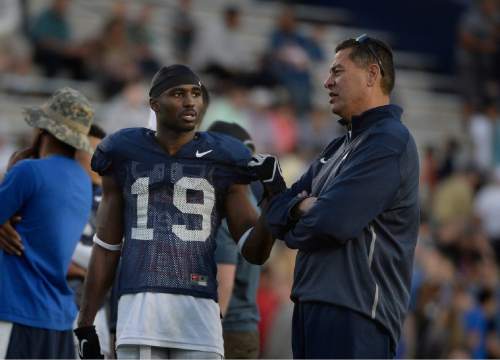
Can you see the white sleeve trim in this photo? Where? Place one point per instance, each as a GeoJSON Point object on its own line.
{"type": "Point", "coordinates": [110, 247]}
{"type": "Point", "coordinates": [243, 239]}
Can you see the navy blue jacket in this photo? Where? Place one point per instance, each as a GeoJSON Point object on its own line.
{"type": "Point", "coordinates": [356, 244]}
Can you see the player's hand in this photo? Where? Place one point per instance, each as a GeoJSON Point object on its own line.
{"type": "Point", "coordinates": [268, 171]}
{"type": "Point", "coordinates": [88, 343]}
{"type": "Point", "coordinates": [10, 240]}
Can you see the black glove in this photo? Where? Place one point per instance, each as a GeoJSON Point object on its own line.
{"type": "Point", "coordinates": [88, 343]}
{"type": "Point", "coordinates": [268, 171]}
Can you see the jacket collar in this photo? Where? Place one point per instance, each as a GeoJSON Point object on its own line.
{"type": "Point", "coordinates": [370, 117]}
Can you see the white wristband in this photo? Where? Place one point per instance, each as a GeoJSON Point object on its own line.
{"type": "Point", "coordinates": [243, 239]}
{"type": "Point", "coordinates": [110, 247]}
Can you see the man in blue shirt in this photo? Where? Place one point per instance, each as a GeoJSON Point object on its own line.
{"type": "Point", "coordinates": [354, 217]}
{"type": "Point", "coordinates": [51, 194]}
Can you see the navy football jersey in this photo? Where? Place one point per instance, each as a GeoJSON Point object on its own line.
{"type": "Point", "coordinates": [173, 207]}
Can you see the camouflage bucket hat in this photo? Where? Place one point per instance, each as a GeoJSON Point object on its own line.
{"type": "Point", "coordinates": [67, 115]}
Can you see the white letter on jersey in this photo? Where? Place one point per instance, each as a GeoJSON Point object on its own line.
{"type": "Point", "coordinates": [141, 188]}
{"type": "Point", "coordinates": [205, 209]}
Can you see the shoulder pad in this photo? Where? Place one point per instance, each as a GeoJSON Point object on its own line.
{"type": "Point", "coordinates": [229, 149]}
{"type": "Point", "coordinates": [102, 158]}
{"type": "Point", "coordinates": [113, 147]}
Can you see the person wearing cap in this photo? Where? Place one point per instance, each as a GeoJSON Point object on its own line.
{"type": "Point", "coordinates": [165, 193]}
{"type": "Point", "coordinates": [354, 217]}
{"type": "Point", "coordinates": [238, 280]}
{"type": "Point", "coordinates": [50, 193]}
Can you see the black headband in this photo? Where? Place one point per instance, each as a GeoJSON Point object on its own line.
{"type": "Point", "coordinates": [169, 76]}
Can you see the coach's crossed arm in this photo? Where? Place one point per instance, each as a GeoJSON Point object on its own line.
{"type": "Point", "coordinates": [346, 206]}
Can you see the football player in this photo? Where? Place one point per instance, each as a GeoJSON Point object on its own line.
{"type": "Point", "coordinates": [164, 195]}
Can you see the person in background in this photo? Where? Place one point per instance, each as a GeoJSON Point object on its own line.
{"type": "Point", "coordinates": [81, 257]}
{"type": "Point", "coordinates": [50, 194]}
{"type": "Point", "coordinates": [219, 50]}
{"type": "Point", "coordinates": [184, 30]}
{"type": "Point", "coordinates": [55, 50]}
{"type": "Point", "coordinates": [237, 279]}
{"type": "Point", "coordinates": [292, 56]}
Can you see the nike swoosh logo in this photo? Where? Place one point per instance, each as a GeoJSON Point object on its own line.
{"type": "Point", "coordinates": [200, 154]}
{"type": "Point", "coordinates": [80, 348]}
{"type": "Point", "coordinates": [323, 160]}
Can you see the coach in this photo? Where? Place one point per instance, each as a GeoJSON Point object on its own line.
{"type": "Point", "coordinates": [354, 217]}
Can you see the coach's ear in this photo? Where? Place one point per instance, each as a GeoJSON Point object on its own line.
{"type": "Point", "coordinates": [153, 103]}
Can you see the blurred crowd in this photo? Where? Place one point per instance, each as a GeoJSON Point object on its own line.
{"type": "Point", "coordinates": [454, 310]}
{"type": "Point", "coordinates": [270, 94]}
{"type": "Point", "coordinates": [478, 53]}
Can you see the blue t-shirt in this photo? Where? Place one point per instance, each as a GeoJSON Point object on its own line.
{"type": "Point", "coordinates": [53, 197]}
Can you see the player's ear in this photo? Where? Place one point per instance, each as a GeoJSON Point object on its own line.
{"type": "Point", "coordinates": [155, 106]}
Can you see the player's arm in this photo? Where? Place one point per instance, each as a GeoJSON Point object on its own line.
{"type": "Point", "coordinates": [245, 224]}
{"type": "Point", "coordinates": [279, 201]}
{"type": "Point", "coordinates": [257, 234]}
{"type": "Point", "coordinates": [103, 263]}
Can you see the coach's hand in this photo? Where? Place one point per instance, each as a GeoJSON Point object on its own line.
{"type": "Point", "coordinates": [303, 206]}
{"type": "Point", "coordinates": [88, 343]}
{"type": "Point", "coordinates": [10, 240]}
{"type": "Point", "coordinates": [268, 171]}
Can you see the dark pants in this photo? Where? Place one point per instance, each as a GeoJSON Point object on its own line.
{"type": "Point", "coordinates": [28, 342]}
{"type": "Point", "coordinates": [321, 330]}
{"type": "Point", "coordinates": [241, 344]}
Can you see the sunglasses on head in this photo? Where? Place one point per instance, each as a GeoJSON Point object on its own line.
{"type": "Point", "coordinates": [366, 40]}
